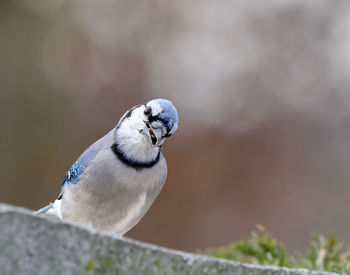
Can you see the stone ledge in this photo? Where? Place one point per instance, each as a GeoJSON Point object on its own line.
{"type": "Point", "coordinates": [39, 245]}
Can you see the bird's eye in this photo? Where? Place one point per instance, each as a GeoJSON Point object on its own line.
{"type": "Point", "coordinates": [148, 111]}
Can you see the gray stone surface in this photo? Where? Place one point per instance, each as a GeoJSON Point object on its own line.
{"type": "Point", "coordinates": [38, 245]}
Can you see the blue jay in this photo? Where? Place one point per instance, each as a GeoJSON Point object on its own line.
{"type": "Point", "coordinates": [115, 181]}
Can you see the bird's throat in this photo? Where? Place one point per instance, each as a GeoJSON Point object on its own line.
{"type": "Point", "coordinates": [132, 163]}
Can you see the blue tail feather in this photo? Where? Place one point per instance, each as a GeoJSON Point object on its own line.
{"type": "Point", "coordinates": [44, 209]}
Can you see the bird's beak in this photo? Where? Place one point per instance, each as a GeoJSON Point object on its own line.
{"type": "Point", "coordinates": [153, 136]}
{"type": "Point", "coordinates": [151, 133]}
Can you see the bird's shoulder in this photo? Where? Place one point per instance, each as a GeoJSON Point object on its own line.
{"type": "Point", "coordinates": [78, 168]}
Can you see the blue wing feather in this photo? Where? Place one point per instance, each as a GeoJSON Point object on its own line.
{"type": "Point", "coordinates": [78, 168]}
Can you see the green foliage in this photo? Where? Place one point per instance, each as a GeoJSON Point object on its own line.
{"type": "Point", "coordinates": [262, 248]}
{"type": "Point", "coordinates": [325, 254]}
{"type": "Point", "coordinates": [259, 248]}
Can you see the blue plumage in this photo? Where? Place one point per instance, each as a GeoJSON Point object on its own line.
{"type": "Point", "coordinates": [168, 114]}
{"type": "Point", "coordinates": [74, 173]}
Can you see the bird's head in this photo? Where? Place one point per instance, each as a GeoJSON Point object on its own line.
{"type": "Point", "coordinates": [147, 124]}
{"type": "Point", "coordinates": [160, 119]}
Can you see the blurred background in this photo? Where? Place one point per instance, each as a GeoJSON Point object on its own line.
{"type": "Point", "coordinates": [262, 91]}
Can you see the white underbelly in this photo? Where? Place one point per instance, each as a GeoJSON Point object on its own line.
{"type": "Point", "coordinates": [134, 214]}
{"type": "Point", "coordinates": [111, 218]}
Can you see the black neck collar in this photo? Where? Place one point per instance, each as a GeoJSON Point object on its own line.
{"type": "Point", "coordinates": [132, 163]}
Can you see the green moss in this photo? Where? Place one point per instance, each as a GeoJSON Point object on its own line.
{"type": "Point", "coordinates": [108, 262]}
{"type": "Point", "coordinates": [262, 248]}
{"type": "Point", "coordinates": [90, 268]}
{"type": "Point", "coordinates": [108, 266]}
{"type": "Point", "coordinates": [160, 269]}
{"type": "Point", "coordinates": [104, 267]}
{"type": "Point", "coordinates": [157, 263]}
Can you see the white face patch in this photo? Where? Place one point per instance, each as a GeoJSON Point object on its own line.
{"type": "Point", "coordinates": [156, 108]}
{"type": "Point", "coordinates": [133, 140]}
{"type": "Point", "coordinates": [156, 124]}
